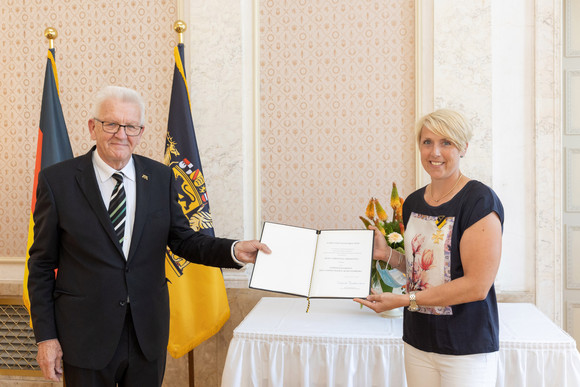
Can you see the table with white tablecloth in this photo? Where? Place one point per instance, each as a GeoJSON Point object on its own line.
{"type": "Point", "coordinates": [339, 344]}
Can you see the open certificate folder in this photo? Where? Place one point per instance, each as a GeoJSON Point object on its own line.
{"type": "Point", "coordinates": [313, 263]}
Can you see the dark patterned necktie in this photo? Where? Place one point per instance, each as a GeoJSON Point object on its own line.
{"type": "Point", "coordinates": [117, 207]}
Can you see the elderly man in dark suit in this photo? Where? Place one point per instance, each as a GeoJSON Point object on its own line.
{"type": "Point", "coordinates": [106, 314]}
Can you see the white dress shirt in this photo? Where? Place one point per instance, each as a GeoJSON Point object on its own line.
{"type": "Point", "coordinates": [106, 183]}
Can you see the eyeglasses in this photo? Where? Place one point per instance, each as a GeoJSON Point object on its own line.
{"type": "Point", "coordinates": [113, 128]}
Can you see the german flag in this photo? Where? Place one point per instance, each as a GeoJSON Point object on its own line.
{"type": "Point", "coordinates": [53, 146]}
{"type": "Point", "coordinates": [197, 293]}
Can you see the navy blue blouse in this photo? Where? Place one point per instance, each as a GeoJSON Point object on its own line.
{"type": "Point", "coordinates": [432, 238]}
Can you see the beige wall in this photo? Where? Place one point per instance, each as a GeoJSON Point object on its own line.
{"type": "Point", "coordinates": [337, 105]}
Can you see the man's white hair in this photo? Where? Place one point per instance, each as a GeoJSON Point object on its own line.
{"type": "Point", "coordinates": [119, 93]}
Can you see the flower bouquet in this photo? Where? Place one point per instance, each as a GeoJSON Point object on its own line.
{"type": "Point", "coordinates": [384, 278]}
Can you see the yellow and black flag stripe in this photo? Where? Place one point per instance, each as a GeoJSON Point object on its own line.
{"type": "Point", "coordinates": [198, 299]}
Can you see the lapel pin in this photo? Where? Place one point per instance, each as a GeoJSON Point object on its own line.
{"type": "Point", "coordinates": [145, 177]}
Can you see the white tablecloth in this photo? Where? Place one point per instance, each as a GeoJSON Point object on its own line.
{"type": "Point", "coordinates": [338, 344]}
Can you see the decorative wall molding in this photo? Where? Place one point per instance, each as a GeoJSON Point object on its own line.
{"type": "Point", "coordinates": [572, 101]}
{"type": "Point", "coordinates": [573, 319]}
{"type": "Point", "coordinates": [548, 141]}
{"type": "Point", "coordinates": [572, 28]}
{"type": "Point", "coordinates": [573, 179]}
{"type": "Point", "coordinates": [12, 269]}
{"type": "Point", "coordinates": [573, 257]}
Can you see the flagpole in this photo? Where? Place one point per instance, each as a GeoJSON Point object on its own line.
{"type": "Point", "coordinates": [180, 26]}
{"type": "Point", "coordinates": [51, 34]}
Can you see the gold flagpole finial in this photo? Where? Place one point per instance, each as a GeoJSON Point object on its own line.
{"type": "Point", "coordinates": [180, 27]}
{"type": "Point", "coordinates": [51, 34]}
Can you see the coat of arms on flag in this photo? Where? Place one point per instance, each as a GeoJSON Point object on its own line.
{"type": "Point", "coordinates": [192, 197]}
{"type": "Point", "coordinates": [197, 293]}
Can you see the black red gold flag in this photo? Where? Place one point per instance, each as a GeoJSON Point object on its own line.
{"type": "Point", "coordinates": [53, 145]}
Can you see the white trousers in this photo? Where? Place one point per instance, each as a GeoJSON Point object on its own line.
{"type": "Point", "coordinates": [436, 370]}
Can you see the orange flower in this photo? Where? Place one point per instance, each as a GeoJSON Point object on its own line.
{"type": "Point", "coordinates": [399, 213]}
{"type": "Point", "coordinates": [366, 222]}
{"type": "Point", "coordinates": [381, 213]}
{"type": "Point", "coordinates": [380, 227]}
{"type": "Point", "coordinates": [370, 212]}
{"type": "Point", "coordinates": [396, 204]}
{"type": "Point", "coordinates": [395, 201]}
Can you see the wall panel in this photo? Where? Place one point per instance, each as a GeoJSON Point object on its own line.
{"type": "Point", "coordinates": [337, 103]}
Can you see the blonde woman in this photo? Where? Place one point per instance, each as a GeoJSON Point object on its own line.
{"type": "Point", "coordinates": [453, 234]}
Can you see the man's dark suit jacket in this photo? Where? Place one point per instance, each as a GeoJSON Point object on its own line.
{"type": "Point", "coordinates": [84, 307]}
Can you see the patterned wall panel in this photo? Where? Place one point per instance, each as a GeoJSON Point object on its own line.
{"type": "Point", "coordinates": [337, 104]}
{"type": "Point", "coordinates": [128, 43]}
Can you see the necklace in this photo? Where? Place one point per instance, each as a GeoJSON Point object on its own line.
{"type": "Point", "coordinates": [451, 190]}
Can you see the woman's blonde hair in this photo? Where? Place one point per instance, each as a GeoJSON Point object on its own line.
{"type": "Point", "coordinates": [446, 123]}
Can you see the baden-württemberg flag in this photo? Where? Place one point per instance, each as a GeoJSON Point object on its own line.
{"type": "Point", "coordinates": [198, 299]}
{"type": "Point", "coordinates": [53, 145]}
